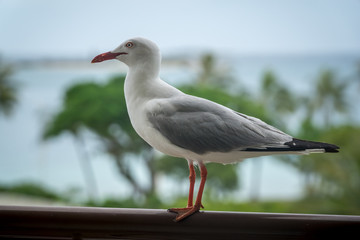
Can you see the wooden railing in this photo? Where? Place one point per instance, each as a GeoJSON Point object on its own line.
{"type": "Point", "coordinates": [18, 222]}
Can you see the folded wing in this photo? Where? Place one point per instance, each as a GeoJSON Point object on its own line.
{"type": "Point", "coordinates": [202, 126]}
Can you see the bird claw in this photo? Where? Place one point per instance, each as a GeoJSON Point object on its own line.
{"type": "Point", "coordinates": [184, 212]}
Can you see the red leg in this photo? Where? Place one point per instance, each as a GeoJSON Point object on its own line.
{"type": "Point", "coordinates": [192, 177]}
{"type": "Point", "coordinates": [186, 212]}
{"type": "Point", "coordinates": [203, 174]}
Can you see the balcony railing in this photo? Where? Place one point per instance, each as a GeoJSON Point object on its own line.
{"type": "Point", "coordinates": [18, 222]}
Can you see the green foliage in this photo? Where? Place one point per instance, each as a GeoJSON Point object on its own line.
{"type": "Point", "coordinates": [313, 204]}
{"type": "Point", "coordinates": [152, 201]}
{"type": "Point", "coordinates": [31, 189]}
{"type": "Point", "coordinates": [8, 91]}
{"type": "Point", "coordinates": [94, 106]}
{"type": "Point", "coordinates": [275, 96]}
{"type": "Point", "coordinates": [330, 92]}
{"type": "Point", "coordinates": [331, 180]}
{"type": "Point", "coordinates": [171, 166]}
{"type": "Point", "coordinates": [222, 177]}
{"type": "Point", "coordinates": [212, 74]}
{"type": "Point", "coordinates": [101, 108]}
{"type": "Point", "coordinates": [328, 98]}
{"type": "Point", "coordinates": [336, 176]}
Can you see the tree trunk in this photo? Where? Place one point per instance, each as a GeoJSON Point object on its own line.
{"type": "Point", "coordinates": [88, 173]}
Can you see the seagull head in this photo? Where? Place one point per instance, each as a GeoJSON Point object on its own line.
{"type": "Point", "coordinates": [132, 52]}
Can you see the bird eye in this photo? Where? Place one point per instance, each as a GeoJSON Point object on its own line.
{"type": "Point", "coordinates": [129, 45]}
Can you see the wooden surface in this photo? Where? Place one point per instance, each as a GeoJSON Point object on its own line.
{"type": "Point", "coordinates": [18, 222]}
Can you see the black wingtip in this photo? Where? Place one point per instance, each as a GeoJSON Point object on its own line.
{"type": "Point", "coordinates": [298, 144]}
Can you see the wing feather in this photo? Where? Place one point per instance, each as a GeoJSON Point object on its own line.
{"type": "Point", "coordinates": [203, 126]}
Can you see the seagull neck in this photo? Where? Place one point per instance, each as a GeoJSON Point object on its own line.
{"type": "Point", "coordinates": [144, 72]}
{"type": "Point", "coordinates": [142, 81]}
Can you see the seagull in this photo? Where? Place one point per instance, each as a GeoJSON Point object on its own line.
{"type": "Point", "coordinates": [190, 127]}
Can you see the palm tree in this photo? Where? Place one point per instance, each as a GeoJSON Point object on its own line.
{"type": "Point", "coordinates": [276, 97]}
{"type": "Point", "coordinates": [211, 73]}
{"type": "Point", "coordinates": [278, 100]}
{"type": "Point", "coordinates": [101, 109]}
{"type": "Point", "coordinates": [330, 96]}
{"type": "Point", "coordinates": [335, 179]}
{"type": "Point", "coordinates": [8, 91]}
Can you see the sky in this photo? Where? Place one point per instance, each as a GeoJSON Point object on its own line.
{"type": "Point", "coordinates": [77, 28]}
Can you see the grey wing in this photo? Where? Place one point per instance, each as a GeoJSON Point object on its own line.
{"type": "Point", "coordinates": [203, 126]}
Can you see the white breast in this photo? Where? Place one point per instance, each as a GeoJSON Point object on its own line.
{"type": "Point", "coordinates": [138, 97]}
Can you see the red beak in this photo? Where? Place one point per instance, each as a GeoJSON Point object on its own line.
{"type": "Point", "coordinates": [106, 56]}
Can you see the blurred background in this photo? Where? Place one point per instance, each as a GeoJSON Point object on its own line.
{"type": "Point", "coordinates": [65, 137]}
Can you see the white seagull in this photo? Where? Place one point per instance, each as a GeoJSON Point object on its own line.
{"type": "Point", "coordinates": [190, 127]}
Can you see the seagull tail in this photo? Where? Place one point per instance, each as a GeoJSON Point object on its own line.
{"type": "Point", "coordinates": [311, 146]}
{"type": "Point", "coordinates": [297, 146]}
